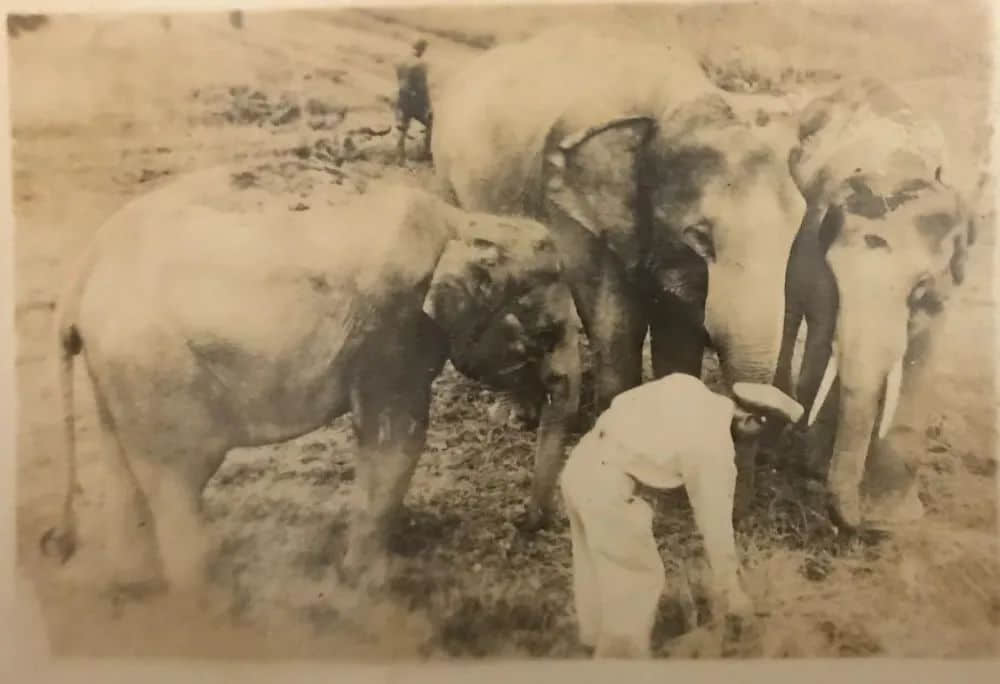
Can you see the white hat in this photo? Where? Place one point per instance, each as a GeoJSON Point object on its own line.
{"type": "Point", "coordinates": [762, 398]}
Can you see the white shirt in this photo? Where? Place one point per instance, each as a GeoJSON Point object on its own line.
{"type": "Point", "coordinates": [655, 431]}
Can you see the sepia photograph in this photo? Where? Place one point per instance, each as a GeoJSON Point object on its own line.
{"type": "Point", "coordinates": [492, 332]}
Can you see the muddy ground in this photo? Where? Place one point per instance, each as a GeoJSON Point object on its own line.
{"type": "Point", "coordinates": [106, 108]}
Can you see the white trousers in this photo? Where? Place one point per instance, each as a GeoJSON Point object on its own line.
{"type": "Point", "coordinates": [618, 575]}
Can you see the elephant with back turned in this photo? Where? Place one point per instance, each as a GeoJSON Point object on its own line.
{"type": "Point", "coordinates": [883, 243]}
{"type": "Point", "coordinates": [672, 210]}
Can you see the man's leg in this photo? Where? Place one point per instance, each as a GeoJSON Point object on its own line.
{"type": "Point", "coordinates": [626, 564]}
{"type": "Point", "coordinates": [585, 589]}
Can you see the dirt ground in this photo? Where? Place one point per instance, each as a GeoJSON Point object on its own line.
{"type": "Point", "coordinates": [105, 108]}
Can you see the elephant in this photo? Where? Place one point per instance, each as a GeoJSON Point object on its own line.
{"type": "Point", "coordinates": [671, 207]}
{"type": "Point", "coordinates": [883, 243]}
{"type": "Point", "coordinates": [510, 323]}
{"type": "Point", "coordinates": [203, 329]}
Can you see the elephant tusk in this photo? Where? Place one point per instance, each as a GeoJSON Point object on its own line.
{"type": "Point", "coordinates": [824, 386]}
{"type": "Point", "coordinates": [893, 384]}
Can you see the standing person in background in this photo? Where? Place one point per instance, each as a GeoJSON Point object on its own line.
{"type": "Point", "coordinates": [413, 99]}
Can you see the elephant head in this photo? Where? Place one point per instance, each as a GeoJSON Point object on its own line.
{"type": "Point", "coordinates": [700, 209]}
{"type": "Point", "coordinates": [511, 324]}
{"type": "Point", "coordinates": [896, 247]}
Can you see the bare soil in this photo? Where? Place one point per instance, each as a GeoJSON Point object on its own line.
{"type": "Point", "coordinates": [109, 107]}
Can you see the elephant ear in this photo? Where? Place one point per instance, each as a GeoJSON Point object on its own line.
{"type": "Point", "coordinates": [592, 178]}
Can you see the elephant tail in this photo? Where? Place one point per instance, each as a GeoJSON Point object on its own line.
{"type": "Point", "coordinates": [61, 541]}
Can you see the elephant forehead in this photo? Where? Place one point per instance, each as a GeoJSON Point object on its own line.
{"type": "Point", "coordinates": [766, 200]}
{"type": "Point", "coordinates": [861, 136]}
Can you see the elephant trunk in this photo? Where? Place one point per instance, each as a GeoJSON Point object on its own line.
{"type": "Point", "coordinates": [561, 376]}
{"type": "Point", "coordinates": [870, 347]}
{"type": "Point", "coordinates": [744, 317]}
{"type": "Point", "coordinates": [744, 314]}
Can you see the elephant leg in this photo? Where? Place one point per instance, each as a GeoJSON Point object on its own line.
{"type": "Point", "coordinates": [390, 406]}
{"type": "Point", "coordinates": [173, 489]}
{"type": "Point", "coordinates": [385, 466]}
{"type": "Point", "coordinates": [616, 327]}
{"type": "Point", "coordinates": [677, 345]}
{"type": "Point", "coordinates": [561, 382]}
{"type": "Point", "coordinates": [132, 553]}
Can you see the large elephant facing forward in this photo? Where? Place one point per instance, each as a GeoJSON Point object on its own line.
{"type": "Point", "coordinates": [883, 242]}
{"type": "Point", "coordinates": [672, 214]}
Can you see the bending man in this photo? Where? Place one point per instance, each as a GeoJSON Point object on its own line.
{"type": "Point", "coordinates": [673, 432]}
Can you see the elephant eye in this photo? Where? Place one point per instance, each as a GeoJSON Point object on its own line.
{"type": "Point", "coordinates": [876, 241]}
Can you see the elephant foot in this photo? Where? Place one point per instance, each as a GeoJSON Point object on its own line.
{"type": "Point", "coordinates": [587, 639]}
{"type": "Point", "coordinates": [123, 592]}
{"type": "Point", "coordinates": [620, 648]}
{"type": "Point", "coordinates": [737, 604]}
{"type": "Point", "coordinates": [533, 519]}
{"type": "Point", "coordinates": [365, 568]}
